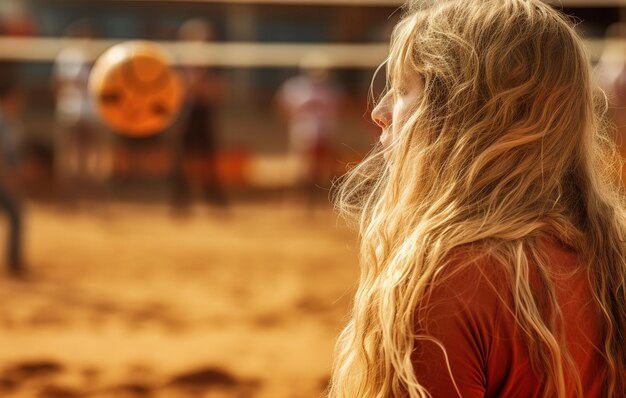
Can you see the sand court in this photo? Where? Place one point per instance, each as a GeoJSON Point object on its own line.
{"type": "Point", "coordinates": [129, 301]}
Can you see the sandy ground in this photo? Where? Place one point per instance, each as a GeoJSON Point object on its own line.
{"type": "Point", "coordinates": [129, 301]}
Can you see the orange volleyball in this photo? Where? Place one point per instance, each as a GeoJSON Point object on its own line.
{"type": "Point", "coordinates": [135, 90]}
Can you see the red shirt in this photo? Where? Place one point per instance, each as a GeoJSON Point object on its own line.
{"type": "Point", "coordinates": [471, 314]}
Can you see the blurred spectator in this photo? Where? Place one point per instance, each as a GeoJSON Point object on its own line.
{"type": "Point", "coordinates": [79, 143]}
{"type": "Point", "coordinates": [310, 105]}
{"type": "Point", "coordinates": [612, 59]}
{"type": "Point", "coordinates": [611, 75]}
{"type": "Point", "coordinates": [10, 111]}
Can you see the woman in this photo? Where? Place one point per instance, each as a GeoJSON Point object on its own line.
{"type": "Point", "coordinates": [492, 218]}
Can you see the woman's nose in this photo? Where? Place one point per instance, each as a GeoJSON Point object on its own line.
{"type": "Point", "coordinates": [381, 115]}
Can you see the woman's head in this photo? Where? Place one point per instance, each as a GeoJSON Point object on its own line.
{"type": "Point", "coordinates": [486, 93]}
{"type": "Point", "coordinates": [493, 136]}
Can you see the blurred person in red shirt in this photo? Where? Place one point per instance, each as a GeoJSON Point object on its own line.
{"type": "Point", "coordinates": [492, 216]}
{"type": "Point", "coordinates": [310, 104]}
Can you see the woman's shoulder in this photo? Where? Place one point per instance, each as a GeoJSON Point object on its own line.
{"type": "Point", "coordinates": [476, 282]}
{"type": "Point", "coordinates": [480, 272]}
{"type": "Point", "coordinates": [468, 276]}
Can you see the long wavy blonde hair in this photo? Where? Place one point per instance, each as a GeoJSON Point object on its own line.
{"type": "Point", "coordinates": [507, 144]}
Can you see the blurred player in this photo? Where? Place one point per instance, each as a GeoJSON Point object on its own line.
{"type": "Point", "coordinates": [10, 109]}
{"type": "Point", "coordinates": [196, 146]}
{"type": "Point", "coordinates": [310, 104]}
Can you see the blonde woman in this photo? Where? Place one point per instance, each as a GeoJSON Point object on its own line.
{"type": "Point", "coordinates": [492, 219]}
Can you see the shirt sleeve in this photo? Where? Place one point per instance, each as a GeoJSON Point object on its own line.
{"type": "Point", "coordinates": [458, 322]}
